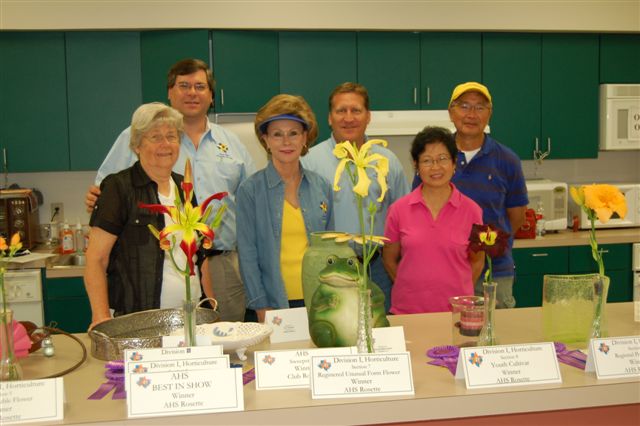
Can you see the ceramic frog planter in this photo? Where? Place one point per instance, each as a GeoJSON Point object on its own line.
{"type": "Point", "coordinates": [333, 314]}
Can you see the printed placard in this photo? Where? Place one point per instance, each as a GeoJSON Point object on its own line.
{"type": "Point", "coordinates": [350, 376]}
{"type": "Point", "coordinates": [28, 401]}
{"type": "Point", "coordinates": [614, 357]}
{"type": "Point", "coordinates": [388, 339]}
{"type": "Point", "coordinates": [288, 369]}
{"type": "Point", "coordinates": [508, 365]}
{"type": "Point", "coordinates": [184, 392]}
{"type": "Point", "coordinates": [184, 380]}
{"type": "Point", "coordinates": [288, 325]}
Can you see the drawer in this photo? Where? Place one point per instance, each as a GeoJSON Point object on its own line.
{"type": "Point", "coordinates": [544, 260]}
{"type": "Point", "coordinates": [64, 287]}
{"type": "Point", "coordinates": [616, 257]}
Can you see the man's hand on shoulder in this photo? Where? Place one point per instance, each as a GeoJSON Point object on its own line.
{"type": "Point", "coordinates": [91, 197]}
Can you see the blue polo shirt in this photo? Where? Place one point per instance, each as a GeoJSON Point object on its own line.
{"type": "Point", "coordinates": [495, 181]}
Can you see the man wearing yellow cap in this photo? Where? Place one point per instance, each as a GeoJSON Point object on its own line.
{"type": "Point", "coordinates": [490, 174]}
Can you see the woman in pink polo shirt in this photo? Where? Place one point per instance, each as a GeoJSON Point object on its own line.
{"type": "Point", "coordinates": [428, 229]}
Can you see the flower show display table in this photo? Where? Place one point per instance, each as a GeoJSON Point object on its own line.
{"type": "Point", "coordinates": [437, 394]}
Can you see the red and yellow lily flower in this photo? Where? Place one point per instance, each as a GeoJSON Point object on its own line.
{"type": "Point", "coordinates": [189, 222]}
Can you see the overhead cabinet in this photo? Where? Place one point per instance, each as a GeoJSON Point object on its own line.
{"type": "Point", "coordinates": [104, 88]}
{"type": "Point", "coordinates": [620, 58]}
{"type": "Point", "coordinates": [312, 64]}
{"type": "Point", "coordinates": [245, 65]}
{"type": "Point", "coordinates": [33, 112]}
{"type": "Point", "coordinates": [159, 50]}
{"type": "Point", "coordinates": [545, 93]}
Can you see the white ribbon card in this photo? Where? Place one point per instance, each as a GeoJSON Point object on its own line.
{"type": "Point", "coordinates": [614, 357]}
{"type": "Point", "coordinates": [349, 376]}
{"type": "Point", "coordinates": [388, 339]}
{"type": "Point", "coordinates": [289, 325]}
{"type": "Point", "coordinates": [182, 380]}
{"type": "Point", "coordinates": [288, 369]}
{"type": "Point", "coordinates": [28, 401]}
{"type": "Point", "coordinates": [508, 365]}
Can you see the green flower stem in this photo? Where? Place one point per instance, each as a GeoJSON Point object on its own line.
{"type": "Point", "coordinates": [367, 254]}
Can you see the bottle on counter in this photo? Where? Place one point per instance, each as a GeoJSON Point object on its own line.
{"type": "Point", "coordinates": [540, 221]}
{"type": "Point", "coordinates": [79, 239]}
{"type": "Point", "coordinates": [66, 240]}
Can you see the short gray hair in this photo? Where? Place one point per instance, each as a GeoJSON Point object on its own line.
{"type": "Point", "coordinates": [150, 115]}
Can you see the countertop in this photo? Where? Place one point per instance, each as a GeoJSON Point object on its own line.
{"type": "Point", "coordinates": [581, 238]}
{"type": "Point", "coordinates": [437, 394]}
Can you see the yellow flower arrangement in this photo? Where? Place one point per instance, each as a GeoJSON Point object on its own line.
{"type": "Point", "coordinates": [599, 201]}
{"type": "Point", "coordinates": [356, 162]}
{"type": "Point", "coordinates": [10, 369]}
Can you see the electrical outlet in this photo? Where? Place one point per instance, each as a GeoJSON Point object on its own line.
{"type": "Point", "coordinates": [57, 212]}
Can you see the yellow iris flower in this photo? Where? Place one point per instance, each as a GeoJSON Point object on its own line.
{"type": "Point", "coordinates": [347, 152]}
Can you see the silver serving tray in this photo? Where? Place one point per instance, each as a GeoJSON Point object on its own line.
{"type": "Point", "coordinates": [140, 330]}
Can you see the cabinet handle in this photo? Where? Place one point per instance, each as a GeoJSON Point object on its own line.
{"type": "Point", "coordinates": [428, 95]}
{"type": "Point", "coordinates": [604, 251]}
{"type": "Point", "coordinates": [415, 95]}
{"type": "Point", "coordinates": [540, 254]}
{"type": "Point", "coordinates": [548, 146]}
{"type": "Point", "coordinates": [221, 97]}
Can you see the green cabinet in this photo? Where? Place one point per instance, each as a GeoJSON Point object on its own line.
{"type": "Point", "coordinates": [531, 266]}
{"type": "Point", "coordinates": [66, 303]}
{"type": "Point", "coordinates": [33, 111]}
{"type": "Point", "coordinates": [617, 262]}
{"type": "Point", "coordinates": [539, 83]}
{"type": "Point", "coordinates": [245, 66]}
{"type": "Point", "coordinates": [620, 58]}
{"type": "Point", "coordinates": [389, 67]}
{"type": "Point", "coordinates": [104, 88]}
{"type": "Point", "coordinates": [446, 60]}
{"type": "Point", "coordinates": [159, 50]}
{"type": "Point", "coordinates": [312, 64]}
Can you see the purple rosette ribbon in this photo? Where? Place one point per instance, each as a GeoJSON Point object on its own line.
{"type": "Point", "coordinates": [115, 381]}
{"type": "Point", "coordinates": [444, 356]}
{"type": "Point", "coordinates": [573, 358]}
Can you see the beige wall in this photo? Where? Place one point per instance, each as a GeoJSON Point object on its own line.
{"type": "Point", "coordinates": [541, 15]}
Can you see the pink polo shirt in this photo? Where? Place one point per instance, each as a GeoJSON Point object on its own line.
{"type": "Point", "coordinates": [435, 264]}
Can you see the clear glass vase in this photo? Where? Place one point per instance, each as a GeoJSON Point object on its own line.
{"type": "Point", "coordinates": [488, 333]}
{"type": "Point", "coordinates": [189, 317]}
{"type": "Point", "coordinates": [365, 320]}
{"type": "Point", "coordinates": [10, 368]}
{"type": "Point", "coordinates": [600, 291]}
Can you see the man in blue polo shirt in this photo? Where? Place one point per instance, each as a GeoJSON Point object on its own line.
{"type": "Point", "coordinates": [491, 175]}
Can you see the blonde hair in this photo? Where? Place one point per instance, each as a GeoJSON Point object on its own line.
{"type": "Point", "coordinates": [292, 105]}
{"type": "Point", "coordinates": [150, 115]}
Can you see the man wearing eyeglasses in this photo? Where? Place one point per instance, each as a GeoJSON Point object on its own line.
{"type": "Point", "coordinates": [220, 163]}
{"type": "Point", "coordinates": [491, 175]}
{"type": "Point", "coordinates": [349, 117]}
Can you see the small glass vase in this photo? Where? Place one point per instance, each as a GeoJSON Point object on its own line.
{"type": "Point", "coordinates": [189, 317]}
{"type": "Point", "coordinates": [365, 320]}
{"type": "Point", "coordinates": [600, 291]}
{"type": "Point", "coordinates": [488, 333]}
{"type": "Point", "coordinates": [10, 368]}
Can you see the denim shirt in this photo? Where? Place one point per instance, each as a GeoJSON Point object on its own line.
{"type": "Point", "coordinates": [260, 204]}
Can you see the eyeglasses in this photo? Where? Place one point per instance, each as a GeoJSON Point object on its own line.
{"type": "Point", "coordinates": [430, 162]}
{"type": "Point", "coordinates": [280, 136]}
{"type": "Point", "coordinates": [467, 107]}
{"type": "Point", "coordinates": [183, 86]}
{"type": "Point", "coordinates": [158, 138]}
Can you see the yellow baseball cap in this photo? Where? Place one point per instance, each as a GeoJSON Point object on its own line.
{"type": "Point", "coordinates": [470, 86]}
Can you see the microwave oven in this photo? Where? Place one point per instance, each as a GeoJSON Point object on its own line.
{"type": "Point", "coordinates": [550, 198]}
{"type": "Point", "coordinates": [631, 192]}
{"type": "Point", "coordinates": [619, 117]}
{"type": "Point", "coordinates": [19, 213]}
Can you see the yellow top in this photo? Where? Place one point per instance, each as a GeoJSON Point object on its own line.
{"type": "Point", "coordinates": [292, 248]}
